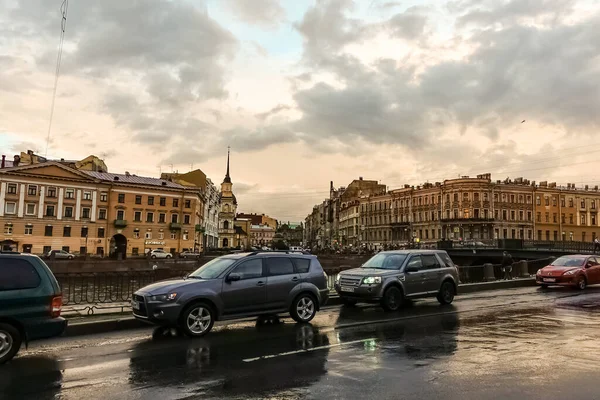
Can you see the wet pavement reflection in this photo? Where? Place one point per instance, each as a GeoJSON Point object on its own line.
{"type": "Point", "coordinates": [511, 344]}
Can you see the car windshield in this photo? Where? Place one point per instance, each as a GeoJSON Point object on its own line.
{"type": "Point", "coordinates": [568, 262]}
{"type": "Point", "coordinates": [385, 261]}
{"type": "Point", "coordinates": [212, 269]}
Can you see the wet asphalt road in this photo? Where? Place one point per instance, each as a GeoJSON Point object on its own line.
{"type": "Point", "coordinates": [511, 344]}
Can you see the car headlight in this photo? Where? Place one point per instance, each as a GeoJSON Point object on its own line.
{"type": "Point", "coordinates": [369, 280]}
{"type": "Point", "coordinates": [337, 278]}
{"type": "Point", "coordinates": [571, 272]}
{"type": "Point", "coordinates": [164, 297]}
{"type": "Point", "coordinates": [539, 272]}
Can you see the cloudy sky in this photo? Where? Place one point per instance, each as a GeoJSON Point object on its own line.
{"type": "Point", "coordinates": [308, 91]}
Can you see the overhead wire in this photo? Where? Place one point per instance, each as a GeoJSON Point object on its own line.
{"type": "Point", "coordinates": [64, 7]}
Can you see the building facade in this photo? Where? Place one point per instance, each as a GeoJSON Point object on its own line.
{"type": "Point", "coordinates": [51, 206]}
{"type": "Point", "coordinates": [259, 219]}
{"type": "Point", "coordinates": [261, 235]}
{"type": "Point", "coordinates": [227, 212]}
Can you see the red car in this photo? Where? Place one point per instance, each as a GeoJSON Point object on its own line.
{"type": "Point", "coordinates": [576, 270]}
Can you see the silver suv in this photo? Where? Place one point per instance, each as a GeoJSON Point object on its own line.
{"type": "Point", "coordinates": [235, 286]}
{"type": "Point", "coordinates": [390, 277]}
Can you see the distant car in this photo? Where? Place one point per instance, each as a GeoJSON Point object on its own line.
{"type": "Point", "coordinates": [574, 270]}
{"type": "Point", "coordinates": [265, 248]}
{"type": "Point", "coordinates": [31, 302]}
{"type": "Point", "coordinates": [236, 286]}
{"type": "Point", "coordinates": [190, 254]}
{"type": "Point", "coordinates": [60, 254]}
{"type": "Point", "coordinates": [159, 253]}
{"type": "Point", "coordinates": [390, 277]}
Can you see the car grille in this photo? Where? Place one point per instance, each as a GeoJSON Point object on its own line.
{"type": "Point", "coordinates": [142, 311]}
{"type": "Point", "coordinates": [350, 280]}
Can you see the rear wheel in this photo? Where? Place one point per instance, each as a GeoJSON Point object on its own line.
{"type": "Point", "coordinates": [304, 308]}
{"type": "Point", "coordinates": [392, 299]}
{"type": "Point", "coordinates": [10, 342]}
{"type": "Point", "coordinates": [348, 302]}
{"type": "Point", "coordinates": [197, 320]}
{"type": "Point", "coordinates": [581, 283]}
{"type": "Point", "coordinates": [446, 294]}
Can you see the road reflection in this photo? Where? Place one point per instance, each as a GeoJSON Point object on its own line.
{"type": "Point", "coordinates": [31, 377]}
{"type": "Point", "coordinates": [230, 363]}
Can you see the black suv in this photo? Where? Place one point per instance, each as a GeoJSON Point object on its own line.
{"type": "Point", "coordinates": [30, 302]}
{"type": "Point", "coordinates": [235, 286]}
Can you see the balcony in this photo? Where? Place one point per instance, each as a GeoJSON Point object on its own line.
{"type": "Point", "coordinates": [467, 220]}
{"type": "Point", "coordinates": [175, 226]}
{"type": "Point", "coordinates": [120, 223]}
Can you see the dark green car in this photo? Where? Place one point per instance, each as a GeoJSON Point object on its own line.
{"type": "Point", "coordinates": [30, 303]}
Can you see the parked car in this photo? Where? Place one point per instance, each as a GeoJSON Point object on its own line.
{"type": "Point", "coordinates": [390, 277]}
{"type": "Point", "coordinates": [159, 253]}
{"type": "Point", "coordinates": [190, 254]}
{"type": "Point", "coordinates": [235, 286]}
{"type": "Point", "coordinates": [574, 270]}
{"type": "Point", "coordinates": [59, 254]}
{"type": "Point", "coordinates": [31, 302]}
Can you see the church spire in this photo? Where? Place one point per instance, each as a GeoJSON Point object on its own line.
{"type": "Point", "coordinates": [227, 178]}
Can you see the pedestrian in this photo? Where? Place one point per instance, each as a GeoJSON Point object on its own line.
{"type": "Point", "coordinates": [507, 262]}
{"type": "Point", "coordinates": [596, 245]}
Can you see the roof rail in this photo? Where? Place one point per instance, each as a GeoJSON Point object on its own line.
{"type": "Point", "coordinates": [9, 252]}
{"type": "Point", "coordinates": [279, 252]}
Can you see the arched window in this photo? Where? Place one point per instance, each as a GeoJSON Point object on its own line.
{"type": "Point", "coordinates": [225, 242]}
{"type": "Point", "coordinates": [226, 225]}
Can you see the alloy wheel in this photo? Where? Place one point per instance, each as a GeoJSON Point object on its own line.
{"type": "Point", "coordinates": [305, 308]}
{"type": "Point", "coordinates": [6, 343]}
{"type": "Point", "coordinates": [199, 320]}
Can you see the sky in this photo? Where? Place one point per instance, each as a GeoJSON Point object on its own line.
{"type": "Point", "coordinates": [307, 92]}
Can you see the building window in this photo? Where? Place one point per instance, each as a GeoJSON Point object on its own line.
{"type": "Point", "coordinates": [593, 218]}
{"type": "Point", "coordinates": [548, 235]}
{"type": "Point", "coordinates": [49, 211]}
{"type": "Point", "coordinates": [47, 249]}
{"type": "Point", "coordinates": [539, 235]}
{"type": "Point", "coordinates": [555, 236]}
{"type": "Point", "coordinates": [186, 235]}
{"type": "Point", "coordinates": [8, 229]}
{"type": "Point", "coordinates": [136, 234]}
{"type": "Point", "coordinates": [593, 204]}
{"type": "Point", "coordinates": [30, 209]}
{"type": "Point", "coordinates": [554, 201]}
{"type": "Point", "coordinates": [547, 203]}
{"type": "Point", "coordinates": [563, 218]}
{"type": "Point", "coordinates": [547, 217]}
{"type": "Point", "coordinates": [529, 216]}
{"type": "Point", "coordinates": [173, 235]}
{"type": "Point", "coordinates": [10, 208]}
{"type": "Point", "coordinates": [161, 235]}
{"type": "Point", "coordinates": [104, 196]}
{"type": "Point", "coordinates": [31, 190]}
{"type": "Point", "coordinates": [135, 251]}
{"type": "Point", "coordinates": [583, 236]}
{"type": "Point", "coordinates": [529, 234]}
{"type": "Point", "coordinates": [68, 212]}
{"type": "Point", "coordinates": [162, 201]}
{"type": "Point", "coordinates": [150, 200]}
{"type": "Point", "coordinates": [87, 195]}
{"type": "Point", "coordinates": [162, 218]}
{"type": "Point", "coordinates": [51, 191]}
{"type": "Point", "coordinates": [102, 214]}
{"type": "Point", "coordinates": [70, 194]}
{"type": "Point", "coordinates": [29, 229]}
{"type": "Point", "coordinates": [571, 219]}
{"type": "Point", "coordinates": [512, 215]}
{"type": "Point", "coordinates": [11, 188]}
{"type": "Point", "coordinates": [148, 235]}
{"type": "Point", "coordinates": [521, 199]}
{"type": "Point", "coordinates": [121, 198]}
{"type": "Point", "coordinates": [100, 232]}
{"type": "Point", "coordinates": [504, 215]}
{"type": "Point", "coordinates": [583, 219]}
{"type": "Point", "coordinates": [120, 215]}
{"type": "Point", "coordinates": [175, 202]}
{"type": "Point", "coordinates": [84, 231]}
{"type": "Point", "coordinates": [175, 218]}
{"type": "Point", "coordinates": [512, 198]}
{"type": "Point", "coordinates": [562, 202]}
{"type": "Point", "coordinates": [538, 201]}
{"type": "Point", "coordinates": [85, 212]}
{"type": "Point", "coordinates": [137, 216]}
{"type": "Point", "coordinates": [521, 216]}
{"type": "Point", "coordinates": [186, 219]}
{"type": "Point", "coordinates": [138, 199]}
{"type": "Point", "coordinates": [455, 197]}
{"type": "Point", "coordinates": [67, 231]}
{"type": "Point", "coordinates": [48, 230]}
{"type": "Point", "coordinates": [150, 217]}
{"type": "Point", "coordinates": [571, 202]}
{"type": "Point", "coordinates": [188, 204]}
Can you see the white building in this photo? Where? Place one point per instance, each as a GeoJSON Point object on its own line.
{"type": "Point", "coordinates": [211, 215]}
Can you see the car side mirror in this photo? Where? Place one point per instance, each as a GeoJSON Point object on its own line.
{"type": "Point", "coordinates": [186, 276]}
{"type": "Point", "coordinates": [234, 277]}
{"type": "Point", "coordinates": [589, 265]}
{"type": "Point", "coordinates": [411, 268]}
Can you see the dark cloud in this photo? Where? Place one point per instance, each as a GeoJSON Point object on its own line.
{"type": "Point", "coordinates": [264, 13]}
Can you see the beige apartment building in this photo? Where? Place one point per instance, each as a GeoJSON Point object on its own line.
{"type": "Point", "coordinates": [51, 205]}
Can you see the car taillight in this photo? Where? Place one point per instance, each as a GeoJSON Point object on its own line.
{"type": "Point", "coordinates": [56, 306]}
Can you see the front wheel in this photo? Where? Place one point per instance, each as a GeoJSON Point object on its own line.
{"type": "Point", "coordinates": [10, 342]}
{"type": "Point", "coordinates": [446, 294]}
{"type": "Point", "coordinates": [392, 299]}
{"type": "Point", "coordinates": [197, 320]}
{"type": "Point", "coordinates": [581, 283]}
{"type": "Point", "coordinates": [304, 308]}
{"type": "Point", "coordinates": [168, 257]}
{"type": "Point", "coordinates": [153, 256]}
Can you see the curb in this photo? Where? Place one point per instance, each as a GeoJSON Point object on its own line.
{"type": "Point", "coordinates": [127, 323]}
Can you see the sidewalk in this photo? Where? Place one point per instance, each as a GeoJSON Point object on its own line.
{"type": "Point", "coordinates": [87, 319]}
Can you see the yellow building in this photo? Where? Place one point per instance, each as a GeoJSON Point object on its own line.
{"type": "Point", "coordinates": [51, 206]}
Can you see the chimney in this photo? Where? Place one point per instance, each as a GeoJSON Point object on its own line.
{"type": "Point", "coordinates": [360, 178]}
{"type": "Point", "coordinates": [16, 161]}
{"type": "Point", "coordinates": [3, 161]}
{"type": "Point", "coordinates": [331, 185]}
{"type": "Point", "coordinates": [127, 173]}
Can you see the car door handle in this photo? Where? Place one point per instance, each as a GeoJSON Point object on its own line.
{"type": "Point", "coordinates": [260, 283]}
{"type": "Point", "coordinates": [295, 279]}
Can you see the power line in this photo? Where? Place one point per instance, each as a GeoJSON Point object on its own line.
{"type": "Point", "coordinates": [63, 26]}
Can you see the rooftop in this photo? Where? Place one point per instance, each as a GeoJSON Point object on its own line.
{"type": "Point", "coordinates": [134, 179]}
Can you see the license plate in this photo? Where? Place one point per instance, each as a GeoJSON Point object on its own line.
{"type": "Point", "coordinates": [347, 289]}
{"type": "Point", "coordinates": [549, 280]}
{"type": "Point", "coordinates": [135, 304]}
